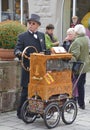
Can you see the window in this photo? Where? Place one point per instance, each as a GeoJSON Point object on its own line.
{"type": "Point", "coordinates": [11, 9]}
{"type": "Point", "coordinates": [57, 65]}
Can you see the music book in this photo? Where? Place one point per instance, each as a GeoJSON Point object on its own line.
{"type": "Point", "coordinates": [59, 49]}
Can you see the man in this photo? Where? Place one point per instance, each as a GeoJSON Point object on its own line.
{"type": "Point", "coordinates": [32, 37]}
{"type": "Point", "coordinates": [74, 21]}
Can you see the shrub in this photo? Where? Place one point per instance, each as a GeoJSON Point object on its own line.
{"type": "Point", "coordinates": [9, 31]}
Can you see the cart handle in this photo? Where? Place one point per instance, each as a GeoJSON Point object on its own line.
{"type": "Point", "coordinates": [79, 75]}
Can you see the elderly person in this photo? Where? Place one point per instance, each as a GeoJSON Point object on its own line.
{"type": "Point", "coordinates": [32, 37]}
{"type": "Point", "coordinates": [70, 37]}
{"type": "Point", "coordinates": [80, 51]}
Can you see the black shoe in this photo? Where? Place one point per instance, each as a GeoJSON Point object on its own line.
{"type": "Point", "coordinates": [82, 107]}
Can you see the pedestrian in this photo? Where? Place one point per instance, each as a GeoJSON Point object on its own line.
{"type": "Point", "coordinates": [80, 51]}
{"type": "Point", "coordinates": [50, 39]}
{"type": "Point", "coordinates": [69, 38]}
{"type": "Point", "coordinates": [66, 44]}
{"type": "Point", "coordinates": [32, 37]}
{"type": "Point", "coordinates": [75, 21]}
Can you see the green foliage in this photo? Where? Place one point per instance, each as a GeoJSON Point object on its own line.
{"type": "Point", "coordinates": [9, 31]}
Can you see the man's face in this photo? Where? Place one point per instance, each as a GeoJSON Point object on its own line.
{"type": "Point", "coordinates": [74, 20]}
{"type": "Point", "coordinates": [32, 26]}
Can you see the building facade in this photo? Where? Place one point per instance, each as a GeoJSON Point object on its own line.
{"type": "Point", "coordinates": [14, 10]}
{"type": "Point", "coordinates": [57, 12]}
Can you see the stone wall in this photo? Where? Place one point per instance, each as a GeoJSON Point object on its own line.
{"type": "Point", "coordinates": [9, 85]}
{"type": "Point", "coordinates": [49, 11]}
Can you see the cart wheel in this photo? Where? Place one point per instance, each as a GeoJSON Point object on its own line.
{"type": "Point", "coordinates": [69, 112]}
{"type": "Point", "coordinates": [27, 116]}
{"type": "Point", "coordinates": [52, 115]}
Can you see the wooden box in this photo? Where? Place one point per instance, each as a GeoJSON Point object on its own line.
{"type": "Point", "coordinates": [50, 75]}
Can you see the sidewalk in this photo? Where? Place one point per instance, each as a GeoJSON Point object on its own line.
{"type": "Point", "coordinates": [9, 121]}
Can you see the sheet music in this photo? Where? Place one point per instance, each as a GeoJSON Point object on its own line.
{"type": "Point", "coordinates": [59, 49]}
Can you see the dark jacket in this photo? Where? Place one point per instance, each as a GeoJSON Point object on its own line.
{"type": "Point", "coordinates": [66, 45]}
{"type": "Point", "coordinates": [26, 39]}
{"type": "Point", "coordinates": [73, 25]}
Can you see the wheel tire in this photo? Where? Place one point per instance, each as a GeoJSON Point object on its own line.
{"type": "Point", "coordinates": [27, 116]}
{"type": "Point", "coordinates": [49, 114]}
{"type": "Point", "coordinates": [69, 112]}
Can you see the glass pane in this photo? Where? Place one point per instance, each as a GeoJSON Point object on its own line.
{"type": "Point", "coordinates": [57, 65]}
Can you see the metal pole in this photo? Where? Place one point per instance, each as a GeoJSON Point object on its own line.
{"type": "Point", "coordinates": [62, 6]}
{"type": "Point", "coordinates": [21, 11]}
{"type": "Point", "coordinates": [0, 10]}
{"type": "Point", "coordinates": [74, 7]}
{"type": "Point", "coordinates": [29, 6]}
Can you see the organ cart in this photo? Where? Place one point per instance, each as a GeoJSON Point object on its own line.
{"type": "Point", "coordinates": [50, 90]}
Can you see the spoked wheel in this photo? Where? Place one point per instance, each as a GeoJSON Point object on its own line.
{"type": "Point", "coordinates": [27, 116]}
{"type": "Point", "coordinates": [69, 112]}
{"type": "Point", "coordinates": [52, 115]}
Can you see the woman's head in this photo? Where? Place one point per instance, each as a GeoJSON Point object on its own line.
{"type": "Point", "coordinates": [70, 34]}
{"type": "Point", "coordinates": [80, 29]}
{"type": "Point", "coordinates": [50, 28]}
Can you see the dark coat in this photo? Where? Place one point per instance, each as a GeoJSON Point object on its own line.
{"type": "Point", "coordinates": [26, 39]}
{"type": "Point", "coordinates": [66, 45]}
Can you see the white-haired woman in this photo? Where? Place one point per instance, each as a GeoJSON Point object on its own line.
{"type": "Point", "coordinates": [70, 37]}
{"type": "Point", "coordinates": [80, 51]}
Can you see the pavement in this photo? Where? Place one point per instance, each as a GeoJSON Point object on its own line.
{"type": "Point", "coordinates": [9, 120]}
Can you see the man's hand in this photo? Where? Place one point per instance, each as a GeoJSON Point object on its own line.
{"type": "Point", "coordinates": [18, 54]}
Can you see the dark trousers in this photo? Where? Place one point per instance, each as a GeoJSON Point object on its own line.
{"type": "Point", "coordinates": [81, 89]}
{"type": "Point", "coordinates": [23, 98]}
